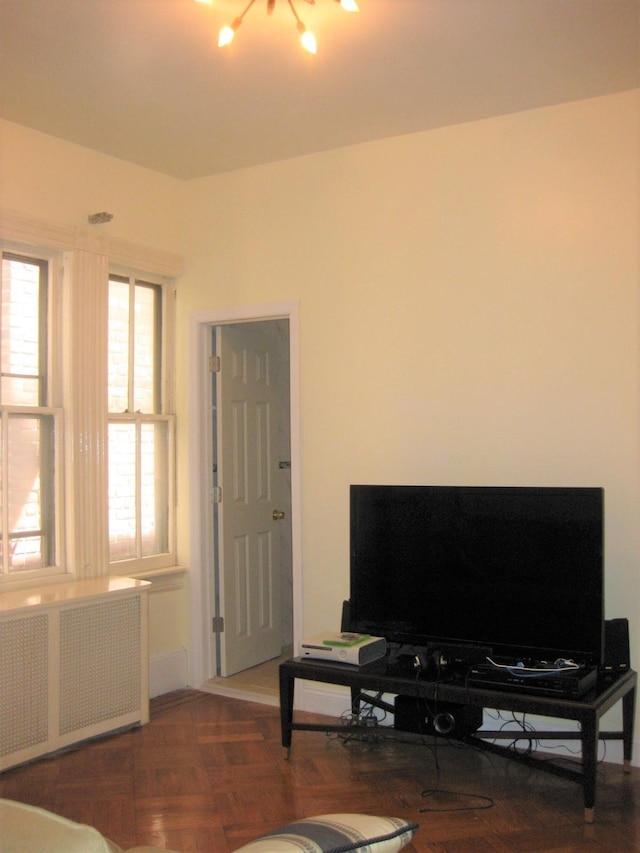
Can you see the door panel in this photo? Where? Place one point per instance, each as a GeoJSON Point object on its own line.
{"type": "Point", "coordinates": [248, 555]}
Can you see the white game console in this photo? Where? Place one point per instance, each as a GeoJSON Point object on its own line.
{"type": "Point", "coordinates": [345, 647]}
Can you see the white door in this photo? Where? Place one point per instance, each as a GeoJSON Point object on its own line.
{"type": "Point", "coordinates": [248, 511]}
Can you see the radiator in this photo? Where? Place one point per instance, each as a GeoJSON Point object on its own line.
{"type": "Point", "coordinates": [73, 664]}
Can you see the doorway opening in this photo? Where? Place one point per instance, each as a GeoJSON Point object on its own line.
{"type": "Point", "coordinates": [224, 644]}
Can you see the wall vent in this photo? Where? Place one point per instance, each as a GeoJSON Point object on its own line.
{"type": "Point", "coordinates": [24, 675]}
{"type": "Point", "coordinates": [72, 668]}
{"type": "Point", "coordinates": [99, 663]}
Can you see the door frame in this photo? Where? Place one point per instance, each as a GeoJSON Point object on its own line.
{"type": "Point", "coordinates": [202, 657]}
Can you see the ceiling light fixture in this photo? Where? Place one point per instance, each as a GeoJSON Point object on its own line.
{"type": "Point", "coordinates": [307, 38]}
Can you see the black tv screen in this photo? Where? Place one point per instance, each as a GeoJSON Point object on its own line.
{"type": "Point", "coordinates": [517, 569]}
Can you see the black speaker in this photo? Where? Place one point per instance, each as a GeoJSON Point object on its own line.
{"type": "Point", "coordinates": [435, 718]}
{"type": "Point", "coordinates": [345, 619]}
{"type": "Point", "coordinates": [617, 657]}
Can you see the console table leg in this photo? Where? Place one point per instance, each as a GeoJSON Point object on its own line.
{"type": "Point", "coordinates": [628, 716]}
{"type": "Point", "coordinates": [355, 701]}
{"type": "Point", "coordinates": [286, 711]}
{"type": "Point", "coordinates": [589, 763]}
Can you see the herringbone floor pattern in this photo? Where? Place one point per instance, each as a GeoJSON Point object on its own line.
{"type": "Point", "coordinates": [208, 774]}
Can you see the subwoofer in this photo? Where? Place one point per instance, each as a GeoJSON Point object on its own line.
{"type": "Point", "coordinates": [435, 718]}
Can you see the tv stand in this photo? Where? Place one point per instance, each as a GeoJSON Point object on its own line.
{"type": "Point", "coordinates": [586, 710]}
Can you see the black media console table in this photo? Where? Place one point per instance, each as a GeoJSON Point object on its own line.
{"type": "Point", "coordinates": [376, 677]}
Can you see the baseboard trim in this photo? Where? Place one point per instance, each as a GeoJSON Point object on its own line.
{"type": "Point", "coordinates": [317, 698]}
{"type": "Point", "coordinates": [167, 672]}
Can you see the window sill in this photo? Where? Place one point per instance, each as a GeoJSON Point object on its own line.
{"type": "Point", "coordinates": [163, 580]}
{"type": "Point", "coordinates": [13, 584]}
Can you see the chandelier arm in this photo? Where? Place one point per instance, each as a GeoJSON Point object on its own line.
{"type": "Point", "coordinates": [247, 7]}
{"type": "Point", "coordinates": [295, 14]}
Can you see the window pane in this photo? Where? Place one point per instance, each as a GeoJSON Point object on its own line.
{"type": "Point", "coordinates": [118, 380]}
{"type": "Point", "coordinates": [30, 488]}
{"type": "Point", "coordinates": [138, 464]}
{"type": "Point", "coordinates": [154, 498]}
{"type": "Point", "coordinates": [20, 359]}
{"type": "Point", "coordinates": [122, 491]}
{"type": "Point", "coordinates": [146, 367]}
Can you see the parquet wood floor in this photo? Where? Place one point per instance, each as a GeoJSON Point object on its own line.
{"type": "Point", "coordinates": [208, 774]}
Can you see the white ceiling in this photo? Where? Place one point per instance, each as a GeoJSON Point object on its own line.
{"type": "Point", "coordinates": [143, 80]}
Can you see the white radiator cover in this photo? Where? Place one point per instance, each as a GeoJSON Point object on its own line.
{"type": "Point", "coordinates": [74, 664]}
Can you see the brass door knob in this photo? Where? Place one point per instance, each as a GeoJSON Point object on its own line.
{"type": "Point", "coordinates": [277, 515]}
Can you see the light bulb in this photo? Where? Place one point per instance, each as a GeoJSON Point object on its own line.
{"type": "Point", "coordinates": [309, 42]}
{"type": "Point", "coordinates": [347, 5]}
{"type": "Point", "coordinates": [205, 2]}
{"type": "Point", "coordinates": [226, 35]}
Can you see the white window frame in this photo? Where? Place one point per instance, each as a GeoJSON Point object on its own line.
{"type": "Point", "coordinates": [50, 408]}
{"type": "Point", "coordinates": [140, 565]}
{"type": "Point", "coordinates": [80, 261]}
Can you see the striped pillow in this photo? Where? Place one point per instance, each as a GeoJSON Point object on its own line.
{"type": "Point", "coordinates": [336, 833]}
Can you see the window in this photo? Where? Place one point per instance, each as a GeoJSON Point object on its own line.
{"type": "Point", "coordinates": [30, 429]}
{"type": "Point", "coordinates": [87, 433]}
{"type": "Point", "coordinates": [141, 429]}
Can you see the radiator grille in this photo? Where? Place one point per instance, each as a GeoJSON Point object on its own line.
{"type": "Point", "coordinates": [100, 647]}
{"type": "Point", "coordinates": [24, 676]}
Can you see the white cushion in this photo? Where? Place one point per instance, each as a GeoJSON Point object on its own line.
{"type": "Point", "coordinates": [25, 828]}
{"type": "Point", "coordinates": [336, 833]}
{"type": "Point", "coordinates": [29, 829]}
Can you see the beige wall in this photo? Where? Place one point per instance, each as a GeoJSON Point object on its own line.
{"type": "Point", "coordinates": [468, 302]}
{"type": "Point", "coordinates": [469, 314]}
{"type": "Point", "coordinates": [48, 178]}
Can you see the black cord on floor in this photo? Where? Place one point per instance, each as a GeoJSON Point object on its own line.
{"type": "Point", "coordinates": [484, 802]}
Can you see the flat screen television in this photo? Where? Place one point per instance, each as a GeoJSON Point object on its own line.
{"type": "Point", "coordinates": [515, 569]}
